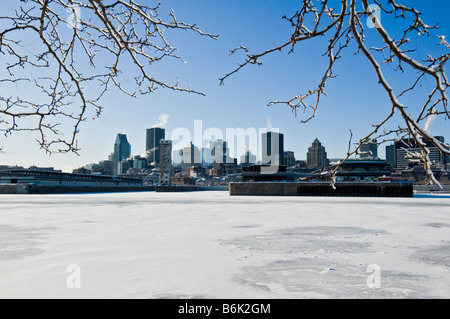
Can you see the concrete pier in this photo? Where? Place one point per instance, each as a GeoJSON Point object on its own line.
{"type": "Point", "coordinates": [189, 188]}
{"type": "Point", "coordinates": [375, 189]}
{"type": "Point", "coordinates": [62, 189]}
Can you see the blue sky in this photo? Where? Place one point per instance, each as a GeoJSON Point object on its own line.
{"type": "Point", "coordinates": [354, 101]}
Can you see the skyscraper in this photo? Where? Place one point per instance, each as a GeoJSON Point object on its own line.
{"type": "Point", "coordinates": [248, 158]}
{"type": "Point", "coordinates": [402, 147]}
{"type": "Point", "coordinates": [317, 156]}
{"type": "Point", "coordinates": [369, 150]}
{"type": "Point", "coordinates": [219, 151]}
{"type": "Point", "coordinates": [122, 151]}
{"type": "Point", "coordinates": [289, 158]}
{"type": "Point", "coordinates": [165, 161]}
{"type": "Point", "coordinates": [190, 156]}
{"type": "Point", "coordinates": [154, 136]}
{"type": "Point", "coordinates": [273, 148]}
{"type": "Point", "coordinates": [390, 155]}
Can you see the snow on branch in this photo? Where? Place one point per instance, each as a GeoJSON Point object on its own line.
{"type": "Point", "coordinates": [68, 54]}
{"type": "Point", "coordinates": [346, 22]}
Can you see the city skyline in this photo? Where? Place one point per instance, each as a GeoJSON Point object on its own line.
{"type": "Point", "coordinates": [354, 99]}
{"type": "Point", "coordinates": [217, 151]}
{"type": "Point", "coordinates": [227, 153]}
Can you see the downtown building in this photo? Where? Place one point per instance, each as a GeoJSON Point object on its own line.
{"type": "Point", "coordinates": [222, 163]}
{"type": "Point", "coordinates": [248, 158]}
{"type": "Point", "coordinates": [190, 156]}
{"type": "Point", "coordinates": [153, 138]}
{"type": "Point", "coordinates": [165, 162]}
{"type": "Point", "coordinates": [289, 159]}
{"type": "Point", "coordinates": [397, 152]}
{"type": "Point", "coordinates": [220, 152]}
{"type": "Point", "coordinates": [272, 167]}
{"type": "Point", "coordinates": [369, 150]}
{"type": "Point", "coordinates": [272, 148]}
{"type": "Point", "coordinates": [317, 156]}
{"type": "Point", "coordinates": [122, 151]}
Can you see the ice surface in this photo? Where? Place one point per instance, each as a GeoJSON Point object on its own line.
{"type": "Point", "coordinates": [211, 245]}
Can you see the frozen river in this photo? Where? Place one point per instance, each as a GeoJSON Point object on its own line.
{"type": "Point", "coordinates": [211, 245]}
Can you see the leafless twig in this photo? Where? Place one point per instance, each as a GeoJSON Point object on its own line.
{"type": "Point", "coordinates": [79, 50]}
{"type": "Point", "coordinates": [344, 24]}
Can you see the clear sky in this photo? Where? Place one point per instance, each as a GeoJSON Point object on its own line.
{"type": "Point", "coordinates": [354, 101]}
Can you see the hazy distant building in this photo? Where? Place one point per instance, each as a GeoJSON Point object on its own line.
{"type": "Point", "coordinates": [139, 162]}
{"type": "Point", "coordinates": [122, 151]}
{"type": "Point", "coordinates": [317, 156]}
{"type": "Point", "coordinates": [124, 166]}
{"type": "Point", "coordinates": [369, 150]}
{"type": "Point", "coordinates": [289, 159]}
{"type": "Point", "coordinates": [273, 148]}
{"type": "Point", "coordinates": [219, 151]}
{"type": "Point", "coordinates": [107, 167]}
{"type": "Point", "coordinates": [165, 162]}
{"type": "Point", "coordinates": [207, 157]}
{"type": "Point", "coordinates": [248, 158]}
{"type": "Point", "coordinates": [190, 156]}
{"type": "Point", "coordinates": [153, 138]}
{"type": "Point", "coordinates": [100, 168]}
{"type": "Point", "coordinates": [390, 155]}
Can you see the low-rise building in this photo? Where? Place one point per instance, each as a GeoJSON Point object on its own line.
{"type": "Point", "coordinates": [359, 170]}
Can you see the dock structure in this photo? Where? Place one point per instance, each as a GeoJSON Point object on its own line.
{"type": "Point", "coordinates": [345, 189]}
{"type": "Point", "coordinates": [23, 181]}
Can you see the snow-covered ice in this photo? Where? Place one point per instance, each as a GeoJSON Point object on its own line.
{"type": "Point", "coordinates": [211, 245]}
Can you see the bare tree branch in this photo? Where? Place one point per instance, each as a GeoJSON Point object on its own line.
{"type": "Point", "coordinates": [81, 49]}
{"type": "Point", "coordinates": [347, 26]}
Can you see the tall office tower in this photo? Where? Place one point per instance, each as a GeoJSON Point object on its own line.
{"type": "Point", "coordinates": [165, 162]}
{"type": "Point", "coordinates": [402, 147]}
{"type": "Point", "coordinates": [207, 157]}
{"type": "Point", "coordinates": [390, 155]}
{"type": "Point", "coordinates": [273, 148]}
{"type": "Point", "coordinates": [122, 151]}
{"type": "Point", "coordinates": [190, 156]}
{"type": "Point", "coordinates": [124, 166]}
{"type": "Point", "coordinates": [316, 156]}
{"type": "Point", "coordinates": [219, 151]}
{"type": "Point", "coordinates": [369, 150]}
{"type": "Point", "coordinates": [248, 158]}
{"type": "Point", "coordinates": [154, 136]}
{"type": "Point", "coordinates": [289, 158]}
